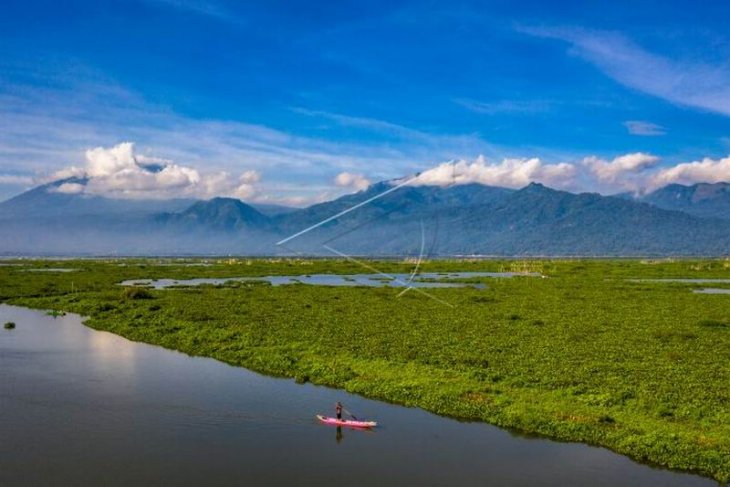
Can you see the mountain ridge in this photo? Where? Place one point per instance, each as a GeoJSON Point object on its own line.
{"type": "Point", "coordinates": [705, 200]}
{"type": "Point", "coordinates": [455, 220]}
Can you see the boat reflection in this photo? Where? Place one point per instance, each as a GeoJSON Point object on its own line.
{"type": "Point", "coordinates": [339, 433]}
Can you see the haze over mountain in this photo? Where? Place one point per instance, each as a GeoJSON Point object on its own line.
{"type": "Point", "coordinates": [455, 220]}
{"type": "Point", "coordinates": [702, 199]}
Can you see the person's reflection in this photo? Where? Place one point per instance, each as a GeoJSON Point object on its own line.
{"type": "Point", "coordinates": [338, 435]}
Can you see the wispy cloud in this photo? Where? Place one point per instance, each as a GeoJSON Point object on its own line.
{"type": "Point", "coordinates": [686, 82]}
{"type": "Point", "coordinates": [45, 130]}
{"type": "Point", "coordinates": [441, 145]}
{"type": "Point", "coordinates": [49, 129]}
{"type": "Point", "coordinates": [504, 106]}
{"type": "Point", "coordinates": [350, 180]}
{"type": "Point", "coordinates": [201, 7]}
{"type": "Point", "coordinates": [15, 179]}
{"type": "Point", "coordinates": [371, 124]}
{"type": "Point", "coordinates": [647, 129]}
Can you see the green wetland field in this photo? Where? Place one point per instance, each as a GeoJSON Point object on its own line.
{"type": "Point", "coordinates": [589, 352]}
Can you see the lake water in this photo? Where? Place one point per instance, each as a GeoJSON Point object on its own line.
{"type": "Point", "coordinates": [685, 280]}
{"type": "Point", "coordinates": [51, 269]}
{"type": "Point", "coordinates": [711, 290]}
{"type": "Point", "coordinates": [371, 280]}
{"type": "Point", "coordinates": [82, 407]}
{"type": "Point", "coordinates": [707, 290]}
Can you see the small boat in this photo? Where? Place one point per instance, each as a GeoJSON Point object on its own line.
{"type": "Point", "coordinates": [347, 422]}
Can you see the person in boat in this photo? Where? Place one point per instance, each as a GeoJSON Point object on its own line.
{"type": "Point", "coordinates": [338, 409]}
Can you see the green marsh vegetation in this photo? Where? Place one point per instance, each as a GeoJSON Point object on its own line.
{"type": "Point", "coordinates": [9, 325]}
{"type": "Point", "coordinates": [642, 368]}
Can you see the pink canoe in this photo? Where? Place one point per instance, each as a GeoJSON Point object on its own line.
{"type": "Point", "coordinates": [347, 422]}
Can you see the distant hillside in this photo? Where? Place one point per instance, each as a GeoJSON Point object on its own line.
{"type": "Point", "coordinates": [273, 210]}
{"type": "Point", "coordinates": [537, 219]}
{"type": "Point", "coordinates": [404, 203]}
{"type": "Point", "coordinates": [217, 214]}
{"type": "Point", "coordinates": [47, 201]}
{"type": "Point", "coordinates": [533, 221]}
{"type": "Point", "coordinates": [458, 220]}
{"type": "Point", "coordinates": [703, 200]}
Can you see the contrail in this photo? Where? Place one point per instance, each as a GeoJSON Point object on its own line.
{"type": "Point", "coordinates": [344, 212]}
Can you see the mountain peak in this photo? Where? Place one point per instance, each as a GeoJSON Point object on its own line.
{"type": "Point", "coordinates": [707, 200]}
{"type": "Point", "coordinates": [537, 188]}
{"type": "Point", "coordinates": [220, 213]}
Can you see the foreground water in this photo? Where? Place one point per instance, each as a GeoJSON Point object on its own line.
{"type": "Point", "coordinates": [83, 407]}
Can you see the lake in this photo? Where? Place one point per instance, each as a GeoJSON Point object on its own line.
{"type": "Point", "coordinates": [83, 407]}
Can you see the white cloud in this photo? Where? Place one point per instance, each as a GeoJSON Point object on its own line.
{"type": "Point", "coordinates": [510, 173]}
{"type": "Point", "coordinates": [53, 131]}
{"type": "Point", "coordinates": [611, 171]}
{"type": "Point", "coordinates": [636, 172]}
{"type": "Point", "coordinates": [705, 171]}
{"type": "Point", "coordinates": [685, 82]}
{"type": "Point", "coordinates": [14, 179]}
{"type": "Point", "coordinates": [623, 173]}
{"type": "Point", "coordinates": [117, 172]}
{"type": "Point", "coordinates": [646, 129]}
{"type": "Point", "coordinates": [70, 188]}
{"type": "Point", "coordinates": [107, 162]}
{"type": "Point", "coordinates": [44, 130]}
{"type": "Point", "coordinates": [352, 180]}
{"type": "Point", "coordinates": [297, 201]}
{"type": "Point", "coordinates": [640, 172]}
{"type": "Point", "coordinates": [222, 183]}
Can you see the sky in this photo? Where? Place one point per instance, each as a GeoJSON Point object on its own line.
{"type": "Point", "coordinates": [299, 102]}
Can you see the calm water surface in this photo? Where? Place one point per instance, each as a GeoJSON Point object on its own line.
{"type": "Point", "coordinates": [82, 407]}
{"type": "Point", "coordinates": [371, 280]}
{"type": "Point", "coordinates": [685, 280]}
{"type": "Point", "coordinates": [711, 290]}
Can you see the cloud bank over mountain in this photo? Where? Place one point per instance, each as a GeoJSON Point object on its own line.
{"type": "Point", "coordinates": [706, 171]}
{"type": "Point", "coordinates": [352, 180]}
{"type": "Point", "coordinates": [121, 172]}
{"type": "Point", "coordinates": [118, 172]}
{"type": "Point", "coordinates": [636, 172]}
{"type": "Point", "coordinates": [509, 173]}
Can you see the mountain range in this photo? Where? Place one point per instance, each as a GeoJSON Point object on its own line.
{"type": "Point", "coordinates": [467, 219]}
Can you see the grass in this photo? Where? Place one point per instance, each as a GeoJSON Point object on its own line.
{"type": "Point", "coordinates": [585, 355]}
{"type": "Point", "coordinates": [136, 293]}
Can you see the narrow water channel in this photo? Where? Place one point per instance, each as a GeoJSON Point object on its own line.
{"type": "Point", "coordinates": [83, 407]}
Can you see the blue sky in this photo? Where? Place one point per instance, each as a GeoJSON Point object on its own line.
{"type": "Point", "coordinates": [297, 93]}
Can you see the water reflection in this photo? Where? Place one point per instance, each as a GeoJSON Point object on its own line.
{"type": "Point", "coordinates": [82, 407]}
{"type": "Point", "coordinates": [423, 280]}
{"type": "Point", "coordinates": [711, 290]}
{"type": "Point", "coordinates": [685, 280]}
{"type": "Point", "coordinates": [51, 269]}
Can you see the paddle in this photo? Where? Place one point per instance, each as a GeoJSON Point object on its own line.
{"type": "Point", "coordinates": [351, 415]}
